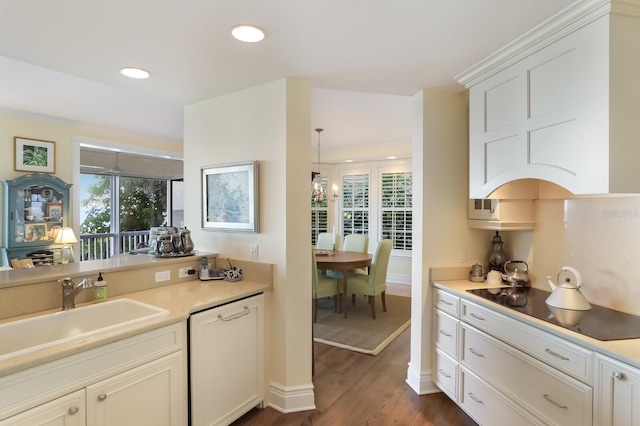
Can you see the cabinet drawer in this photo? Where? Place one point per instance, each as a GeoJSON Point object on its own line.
{"type": "Point", "coordinates": [565, 356]}
{"type": "Point", "coordinates": [445, 332]}
{"type": "Point", "coordinates": [552, 395]}
{"type": "Point", "coordinates": [447, 302]}
{"type": "Point", "coordinates": [446, 374]}
{"type": "Point", "coordinates": [487, 406]}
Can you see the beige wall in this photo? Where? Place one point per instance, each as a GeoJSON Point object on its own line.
{"type": "Point", "coordinates": [441, 190]}
{"type": "Point", "coordinates": [268, 123]}
{"type": "Point", "coordinates": [598, 236]}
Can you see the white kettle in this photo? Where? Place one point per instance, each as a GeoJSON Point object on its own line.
{"type": "Point", "coordinates": [567, 295]}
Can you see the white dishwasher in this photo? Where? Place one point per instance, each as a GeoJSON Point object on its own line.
{"type": "Point", "coordinates": [226, 361]}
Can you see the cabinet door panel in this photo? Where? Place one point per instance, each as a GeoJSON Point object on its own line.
{"type": "Point", "coordinates": [446, 374]}
{"type": "Point", "coordinates": [499, 101]}
{"type": "Point", "coordinates": [150, 395]}
{"type": "Point", "coordinates": [68, 410]}
{"type": "Point", "coordinates": [227, 380]}
{"type": "Point", "coordinates": [618, 393]}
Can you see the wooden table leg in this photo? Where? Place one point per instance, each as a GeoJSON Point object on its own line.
{"type": "Point", "coordinates": [345, 298]}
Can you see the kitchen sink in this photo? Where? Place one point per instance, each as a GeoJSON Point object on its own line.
{"type": "Point", "coordinates": [31, 334]}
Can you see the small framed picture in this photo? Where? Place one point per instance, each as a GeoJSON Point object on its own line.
{"type": "Point", "coordinates": [230, 197]}
{"type": "Point", "coordinates": [35, 232]}
{"type": "Point", "coordinates": [33, 155]}
{"type": "Point", "coordinates": [54, 211]}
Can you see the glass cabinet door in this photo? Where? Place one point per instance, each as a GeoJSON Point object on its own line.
{"type": "Point", "coordinates": [36, 206]}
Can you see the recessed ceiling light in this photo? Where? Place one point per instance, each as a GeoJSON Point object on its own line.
{"type": "Point", "coordinates": [135, 73]}
{"type": "Point", "coordinates": [348, 161]}
{"type": "Point", "coordinates": [247, 33]}
{"type": "Point", "coordinates": [391, 157]}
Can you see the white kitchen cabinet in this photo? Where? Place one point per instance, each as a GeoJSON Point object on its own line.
{"type": "Point", "coordinates": [68, 410]}
{"type": "Point", "coordinates": [446, 342]}
{"type": "Point", "coordinates": [617, 393]}
{"type": "Point", "coordinates": [556, 104]}
{"type": "Point", "coordinates": [139, 380]}
{"type": "Point", "coordinates": [227, 361]}
{"type": "Point", "coordinates": [149, 395]}
{"type": "Point", "coordinates": [547, 394]}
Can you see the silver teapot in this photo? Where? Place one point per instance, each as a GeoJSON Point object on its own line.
{"type": "Point", "coordinates": [187, 243]}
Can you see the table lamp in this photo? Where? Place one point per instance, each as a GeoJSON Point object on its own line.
{"type": "Point", "coordinates": [65, 237]}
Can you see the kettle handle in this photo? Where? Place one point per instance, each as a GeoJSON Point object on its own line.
{"type": "Point", "coordinates": [575, 272]}
{"type": "Point", "coordinates": [504, 267]}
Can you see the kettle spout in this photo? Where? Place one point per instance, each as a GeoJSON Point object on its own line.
{"type": "Point", "coordinates": [551, 284]}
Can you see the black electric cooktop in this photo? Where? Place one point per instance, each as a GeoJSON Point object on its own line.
{"type": "Point", "coordinates": [599, 323]}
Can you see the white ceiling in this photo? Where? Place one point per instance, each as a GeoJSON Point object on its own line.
{"type": "Point", "coordinates": [364, 58]}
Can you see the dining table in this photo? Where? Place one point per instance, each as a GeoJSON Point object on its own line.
{"type": "Point", "coordinates": [342, 261]}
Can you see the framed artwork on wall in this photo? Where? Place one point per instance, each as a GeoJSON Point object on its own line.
{"type": "Point", "coordinates": [230, 197]}
{"type": "Point", "coordinates": [33, 155]}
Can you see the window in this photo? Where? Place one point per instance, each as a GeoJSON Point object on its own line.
{"type": "Point", "coordinates": [116, 213]}
{"type": "Point", "coordinates": [396, 209]}
{"type": "Point", "coordinates": [355, 204]}
{"type": "Point", "coordinates": [319, 214]}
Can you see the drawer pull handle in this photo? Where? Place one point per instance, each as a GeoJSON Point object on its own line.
{"type": "Point", "coordinates": [102, 397]}
{"type": "Point", "coordinates": [444, 373]}
{"type": "Point", "coordinates": [617, 375]}
{"type": "Point", "coordinates": [564, 407]}
{"type": "Point", "coordinates": [237, 315]}
{"type": "Point", "coordinates": [475, 398]}
{"type": "Point", "coordinates": [476, 353]}
{"type": "Point", "coordinates": [446, 302]}
{"type": "Point", "coordinates": [444, 333]}
{"type": "Point", "coordinates": [472, 314]}
{"type": "Point", "coordinates": [73, 410]}
{"type": "Point", "coordinates": [557, 355]}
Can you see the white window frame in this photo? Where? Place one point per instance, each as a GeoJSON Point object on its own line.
{"type": "Point", "coordinates": [398, 168]}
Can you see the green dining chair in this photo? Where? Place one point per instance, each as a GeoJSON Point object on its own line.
{"type": "Point", "coordinates": [325, 241]}
{"type": "Point", "coordinates": [376, 282]}
{"type": "Point", "coordinates": [323, 286]}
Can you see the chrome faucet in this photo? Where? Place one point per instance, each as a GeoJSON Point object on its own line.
{"type": "Point", "coordinates": [70, 291]}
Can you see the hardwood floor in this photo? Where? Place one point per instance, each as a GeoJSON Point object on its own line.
{"type": "Point", "coordinates": [357, 389]}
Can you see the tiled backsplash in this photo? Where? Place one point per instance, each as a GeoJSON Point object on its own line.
{"type": "Point", "coordinates": [598, 236]}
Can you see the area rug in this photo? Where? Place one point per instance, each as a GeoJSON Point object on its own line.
{"type": "Point", "coordinates": [359, 332]}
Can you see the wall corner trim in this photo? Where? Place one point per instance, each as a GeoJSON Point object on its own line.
{"type": "Point", "coordinates": [291, 399]}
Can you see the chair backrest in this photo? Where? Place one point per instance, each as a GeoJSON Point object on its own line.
{"type": "Point", "coordinates": [314, 275]}
{"type": "Point", "coordinates": [379, 265]}
{"type": "Point", "coordinates": [325, 241]}
{"type": "Point", "coordinates": [356, 242]}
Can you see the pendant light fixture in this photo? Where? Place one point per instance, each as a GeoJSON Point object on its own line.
{"type": "Point", "coordinates": [317, 191]}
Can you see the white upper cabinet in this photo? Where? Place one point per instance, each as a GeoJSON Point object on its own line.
{"type": "Point", "coordinates": [560, 104]}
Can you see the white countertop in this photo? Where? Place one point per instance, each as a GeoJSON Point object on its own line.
{"type": "Point", "coordinates": [623, 350]}
{"type": "Point", "coordinates": [180, 300]}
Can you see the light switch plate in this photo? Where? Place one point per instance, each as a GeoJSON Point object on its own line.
{"type": "Point", "coordinates": [163, 276]}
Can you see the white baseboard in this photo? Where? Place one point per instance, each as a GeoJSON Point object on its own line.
{"type": "Point", "coordinates": [421, 382]}
{"type": "Point", "coordinates": [291, 399]}
{"type": "Point", "coordinates": [399, 279]}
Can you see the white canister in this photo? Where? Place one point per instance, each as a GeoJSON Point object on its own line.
{"type": "Point", "coordinates": [494, 278]}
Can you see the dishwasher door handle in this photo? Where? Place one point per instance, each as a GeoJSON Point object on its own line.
{"type": "Point", "coordinates": [237, 315]}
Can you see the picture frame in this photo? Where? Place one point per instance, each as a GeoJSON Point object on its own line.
{"type": "Point", "coordinates": [54, 212]}
{"type": "Point", "coordinates": [34, 155]}
{"type": "Point", "coordinates": [230, 197]}
{"type": "Point", "coordinates": [35, 232]}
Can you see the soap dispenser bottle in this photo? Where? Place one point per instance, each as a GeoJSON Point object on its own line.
{"type": "Point", "coordinates": [100, 289]}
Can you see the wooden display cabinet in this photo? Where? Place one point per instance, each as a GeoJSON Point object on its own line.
{"type": "Point", "coordinates": [35, 206]}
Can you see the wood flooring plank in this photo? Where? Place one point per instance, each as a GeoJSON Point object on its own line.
{"type": "Point", "coordinates": [357, 389]}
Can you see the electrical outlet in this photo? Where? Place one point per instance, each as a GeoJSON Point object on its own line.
{"type": "Point", "coordinates": [163, 276]}
{"type": "Point", "coordinates": [462, 255]}
{"type": "Point", "coordinates": [254, 251]}
{"type": "Point", "coordinates": [183, 272]}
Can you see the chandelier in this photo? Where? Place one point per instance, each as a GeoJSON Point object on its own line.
{"type": "Point", "coordinates": [318, 192]}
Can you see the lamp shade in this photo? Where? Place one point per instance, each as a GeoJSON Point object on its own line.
{"type": "Point", "coordinates": [65, 236]}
